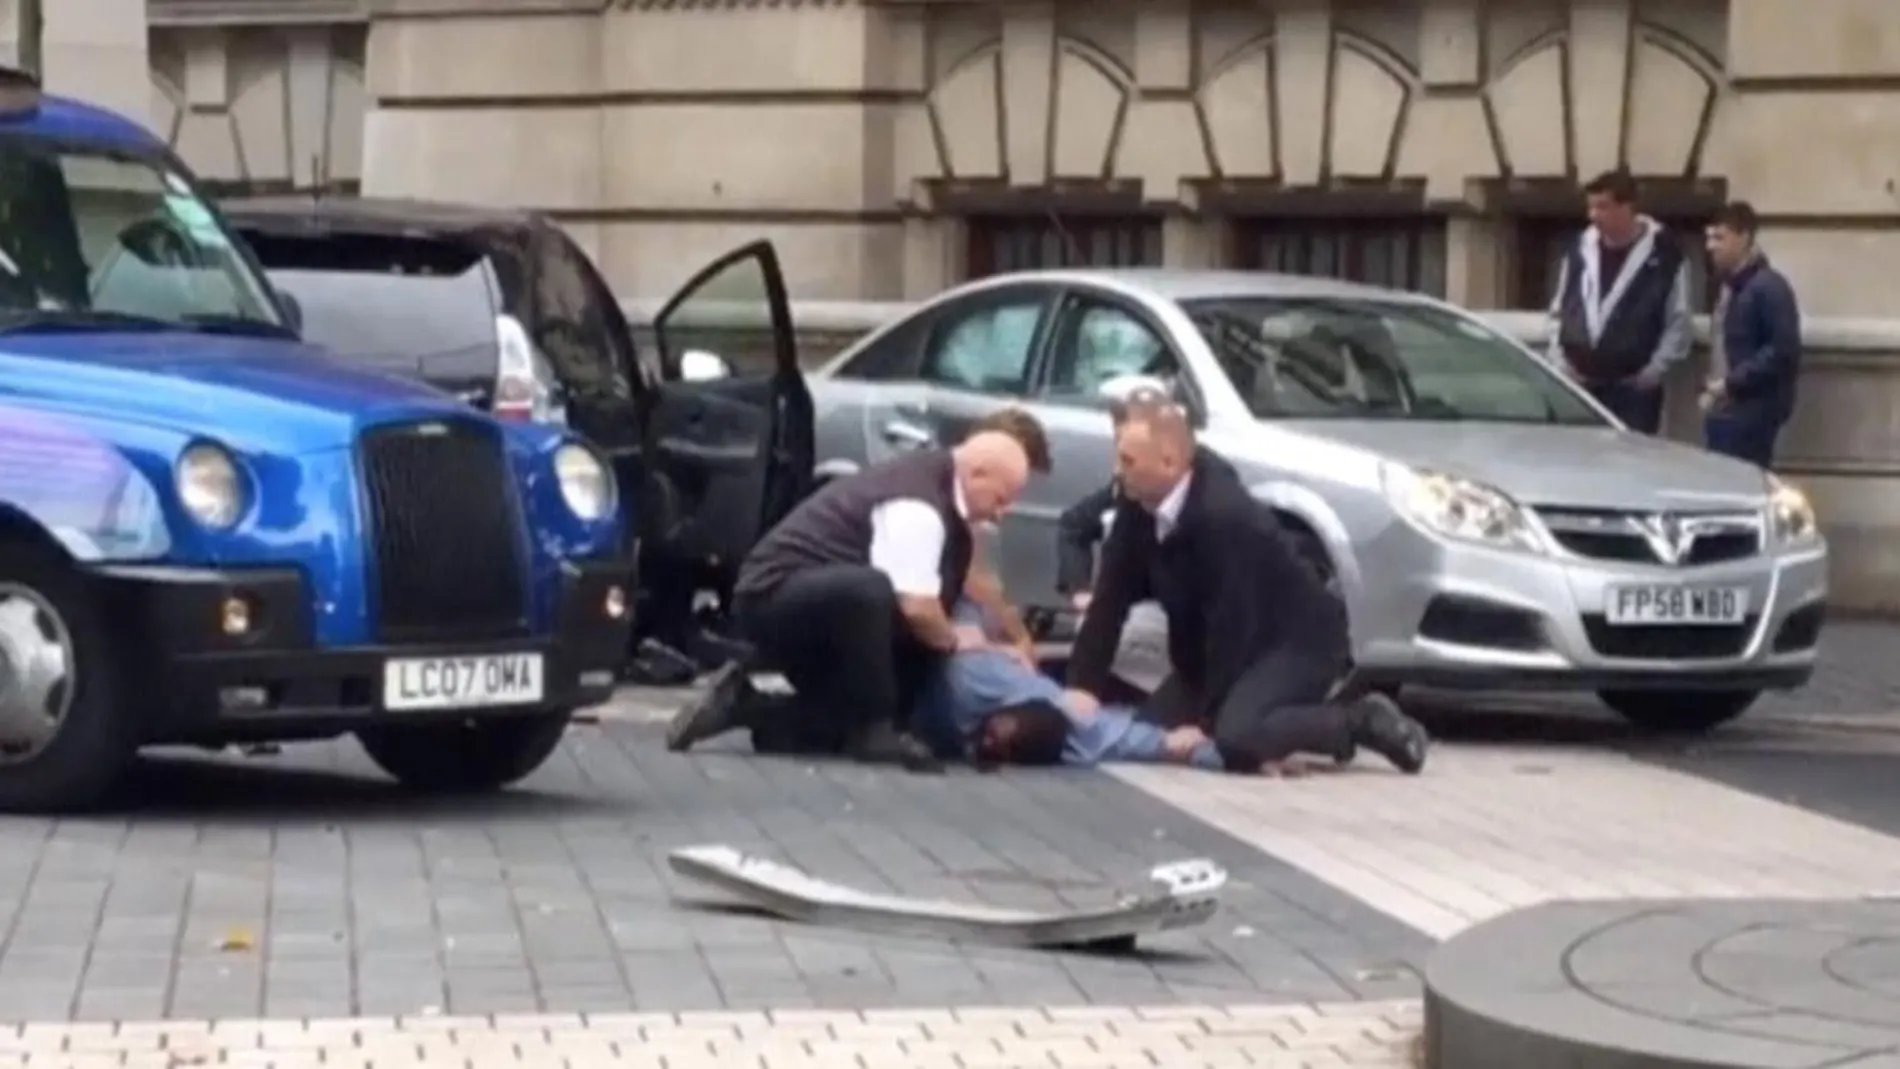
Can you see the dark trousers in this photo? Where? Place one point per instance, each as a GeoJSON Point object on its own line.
{"type": "Point", "coordinates": [1281, 705]}
{"type": "Point", "coordinates": [1742, 435]}
{"type": "Point", "coordinates": [1640, 408]}
{"type": "Point", "coordinates": [836, 635]}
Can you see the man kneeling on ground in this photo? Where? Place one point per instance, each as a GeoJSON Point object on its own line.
{"type": "Point", "coordinates": [850, 598]}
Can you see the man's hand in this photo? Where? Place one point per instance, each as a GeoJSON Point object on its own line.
{"type": "Point", "coordinates": [1080, 599]}
{"type": "Point", "coordinates": [1714, 394]}
{"type": "Point", "coordinates": [971, 637]}
{"type": "Point", "coordinates": [1649, 378]}
{"type": "Point", "coordinates": [1024, 651]}
{"type": "Point", "coordinates": [1082, 704]}
{"type": "Point", "coordinates": [1569, 371]}
{"type": "Point", "coordinates": [1179, 743]}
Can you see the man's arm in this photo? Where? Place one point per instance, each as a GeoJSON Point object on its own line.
{"type": "Point", "coordinates": [1077, 532]}
{"type": "Point", "coordinates": [983, 586]}
{"type": "Point", "coordinates": [1553, 349]}
{"type": "Point", "coordinates": [1678, 331]}
{"type": "Point", "coordinates": [1781, 313]}
{"type": "Point", "coordinates": [1123, 582]}
{"type": "Point", "coordinates": [907, 539]}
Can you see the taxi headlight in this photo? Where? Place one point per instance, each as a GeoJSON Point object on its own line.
{"type": "Point", "coordinates": [587, 484]}
{"type": "Point", "coordinates": [210, 487]}
{"type": "Point", "coordinates": [1792, 514]}
{"type": "Point", "coordinates": [1458, 508]}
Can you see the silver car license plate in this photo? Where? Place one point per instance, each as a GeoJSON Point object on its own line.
{"type": "Point", "coordinates": [1652, 604]}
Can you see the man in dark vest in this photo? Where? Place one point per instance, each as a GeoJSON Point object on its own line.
{"type": "Point", "coordinates": [1258, 645]}
{"type": "Point", "coordinates": [851, 595]}
{"type": "Point", "coordinates": [1620, 318]}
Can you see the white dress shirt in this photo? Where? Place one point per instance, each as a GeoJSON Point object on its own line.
{"type": "Point", "coordinates": [907, 539]}
{"type": "Point", "coordinates": [1168, 513]}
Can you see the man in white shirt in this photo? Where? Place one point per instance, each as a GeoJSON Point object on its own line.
{"type": "Point", "coordinates": [850, 596]}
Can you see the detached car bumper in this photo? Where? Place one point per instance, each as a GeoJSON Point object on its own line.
{"type": "Point", "coordinates": [193, 673]}
{"type": "Point", "coordinates": [1473, 617]}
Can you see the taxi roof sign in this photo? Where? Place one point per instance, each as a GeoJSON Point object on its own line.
{"type": "Point", "coordinates": [19, 91]}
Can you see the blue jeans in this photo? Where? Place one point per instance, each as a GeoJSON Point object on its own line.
{"type": "Point", "coordinates": [1743, 435]}
{"type": "Point", "coordinates": [1640, 408]}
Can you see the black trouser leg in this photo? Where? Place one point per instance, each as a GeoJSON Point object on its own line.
{"type": "Point", "coordinates": [832, 632]}
{"type": "Point", "coordinates": [1280, 706]}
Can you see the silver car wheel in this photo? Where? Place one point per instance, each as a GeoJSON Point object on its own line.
{"type": "Point", "coordinates": [36, 663]}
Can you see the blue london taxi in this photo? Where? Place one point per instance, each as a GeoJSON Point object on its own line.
{"type": "Point", "coordinates": [212, 533]}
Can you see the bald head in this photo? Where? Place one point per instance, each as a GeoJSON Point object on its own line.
{"type": "Point", "coordinates": [1154, 447]}
{"type": "Point", "coordinates": [992, 469]}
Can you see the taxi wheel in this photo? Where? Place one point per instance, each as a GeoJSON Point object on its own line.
{"type": "Point", "coordinates": [64, 742]}
{"type": "Point", "coordinates": [1679, 712]}
{"type": "Point", "coordinates": [465, 756]}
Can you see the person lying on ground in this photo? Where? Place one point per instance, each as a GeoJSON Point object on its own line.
{"type": "Point", "coordinates": [991, 706]}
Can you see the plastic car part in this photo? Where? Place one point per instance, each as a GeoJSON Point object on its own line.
{"type": "Point", "coordinates": [1181, 894]}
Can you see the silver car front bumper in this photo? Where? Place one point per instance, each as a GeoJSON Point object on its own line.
{"type": "Point", "coordinates": [1434, 613]}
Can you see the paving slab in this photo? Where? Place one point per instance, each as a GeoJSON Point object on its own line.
{"type": "Point", "coordinates": [306, 885]}
{"type": "Point", "coordinates": [1363, 1035]}
{"type": "Point", "coordinates": [1746, 984]}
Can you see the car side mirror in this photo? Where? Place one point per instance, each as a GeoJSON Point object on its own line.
{"type": "Point", "coordinates": [698, 365]}
{"type": "Point", "coordinates": [292, 311]}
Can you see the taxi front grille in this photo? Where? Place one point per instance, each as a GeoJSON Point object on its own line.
{"type": "Point", "coordinates": [447, 559]}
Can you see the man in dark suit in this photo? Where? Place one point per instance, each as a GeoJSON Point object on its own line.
{"type": "Point", "coordinates": [1259, 646]}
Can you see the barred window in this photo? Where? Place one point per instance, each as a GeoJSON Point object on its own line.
{"type": "Point", "coordinates": [1001, 243]}
{"type": "Point", "coordinates": [1402, 252]}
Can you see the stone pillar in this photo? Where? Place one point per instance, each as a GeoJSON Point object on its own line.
{"type": "Point", "coordinates": [95, 50]}
{"type": "Point", "coordinates": [21, 25]}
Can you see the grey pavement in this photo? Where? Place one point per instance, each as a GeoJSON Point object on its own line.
{"type": "Point", "coordinates": [304, 885]}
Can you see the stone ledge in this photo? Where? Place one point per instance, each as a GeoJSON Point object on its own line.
{"type": "Point", "coordinates": [1686, 984]}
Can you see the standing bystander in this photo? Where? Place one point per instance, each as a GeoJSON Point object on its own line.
{"type": "Point", "coordinates": [1620, 318]}
{"type": "Point", "coordinates": [1757, 343]}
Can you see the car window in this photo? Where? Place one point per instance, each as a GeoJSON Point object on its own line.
{"type": "Point", "coordinates": [90, 230]}
{"type": "Point", "coordinates": [986, 349]}
{"type": "Point", "coordinates": [1100, 342]}
{"type": "Point", "coordinates": [376, 299]}
{"type": "Point", "coordinates": [1340, 358]}
{"type": "Point", "coordinates": [893, 357]}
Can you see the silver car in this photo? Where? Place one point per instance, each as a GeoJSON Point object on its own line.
{"type": "Point", "coordinates": [1487, 523]}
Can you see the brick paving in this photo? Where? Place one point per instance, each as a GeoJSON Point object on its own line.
{"type": "Point", "coordinates": [1177, 1036]}
{"type": "Point", "coordinates": [305, 886]}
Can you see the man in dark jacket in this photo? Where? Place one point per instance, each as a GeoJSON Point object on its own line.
{"type": "Point", "coordinates": [1620, 318]}
{"type": "Point", "coordinates": [1757, 352]}
{"type": "Point", "coordinates": [850, 596]}
{"type": "Point", "coordinates": [1258, 645]}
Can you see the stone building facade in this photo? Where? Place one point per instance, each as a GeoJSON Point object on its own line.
{"type": "Point", "coordinates": [891, 147]}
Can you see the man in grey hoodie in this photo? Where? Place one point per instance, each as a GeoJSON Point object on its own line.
{"type": "Point", "coordinates": [1620, 318]}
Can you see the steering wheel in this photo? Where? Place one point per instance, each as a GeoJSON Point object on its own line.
{"type": "Point", "coordinates": [159, 242]}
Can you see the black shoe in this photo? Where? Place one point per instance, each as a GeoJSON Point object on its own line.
{"type": "Point", "coordinates": [882, 744]}
{"type": "Point", "coordinates": [1381, 726]}
{"type": "Point", "coordinates": [718, 711]}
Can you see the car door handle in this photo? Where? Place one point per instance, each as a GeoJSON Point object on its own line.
{"type": "Point", "coordinates": [898, 432]}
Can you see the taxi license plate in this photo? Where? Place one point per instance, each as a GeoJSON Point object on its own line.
{"type": "Point", "coordinates": [1669, 605]}
{"type": "Point", "coordinates": [474, 681]}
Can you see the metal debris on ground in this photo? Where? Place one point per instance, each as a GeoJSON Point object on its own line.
{"type": "Point", "coordinates": [1181, 894]}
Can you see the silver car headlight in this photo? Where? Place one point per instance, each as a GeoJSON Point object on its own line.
{"type": "Point", "coordinates": [587, 484]}
{"type": "Point", "coordinates": [1458, 508]}
{"type": "Point", "coordinates": [1792, 514]}
{"type": "Point", "coordinates": [210, 486]}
